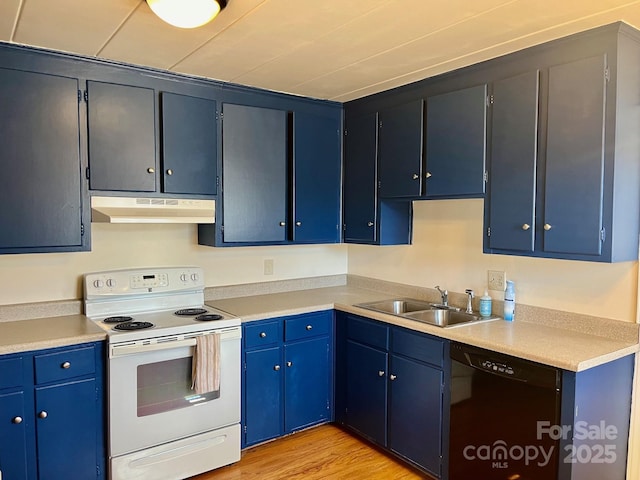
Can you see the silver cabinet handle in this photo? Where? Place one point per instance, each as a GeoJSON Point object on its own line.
{"type": "Point", "coordinates": [276, 367]}
{"type": "Point", "coordinates": [169, 172]}
{"type": "Point", "coordinates": [282, 224]}
{"type": "Point", "coordinates": [43, 414]}
{"type": "Point", "coordinates": [526, 226]}
{"type": "Point", "coordinates": [289, 364]}
{"type": "Point", "coordinates": [428, 175]}
{"type": "Point", "coordinates": [392, 377]}
{"type": "Point", "coordinates": [263, 335]}
{"type": "Point", "coordinates": [416, 176]}
{"type": "Point", "coordinates": [16, 420]}
{"type": "Point", "coordinates": [381, 373]}
{"type": "Point", "coordinates": [370, 224]}
{"type": "Point", "coordinates": [298, 224]}
{"type": "Point", "coordinates": [65, 365]}
{"type": "Point", "coordinates": [151, 170]}
{"type": "Point", "coordinates": [547, 227]}
{"type": "Point", "coordinates": [309, 327]}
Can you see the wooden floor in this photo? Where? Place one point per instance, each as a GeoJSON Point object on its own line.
{"type": "Point", "coordinates": [324, 452]}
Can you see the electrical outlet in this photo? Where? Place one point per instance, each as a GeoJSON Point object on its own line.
{"type": "Point", "coordinates": [496, 280]}
{"type": "Point", "coordinates": [268, 266]}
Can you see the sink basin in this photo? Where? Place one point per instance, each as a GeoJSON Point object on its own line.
{"type": "Point", "coordinates": [421, 311]}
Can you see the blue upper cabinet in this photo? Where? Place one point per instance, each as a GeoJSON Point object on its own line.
{"type": "Point", "coordinates": [317, 174]}
{"type": "Point", "coordinates": [41, 189]}
{"type": "Point", "coordinates": [400, 150]}
{"type": "Point", "coordinates": [189, 144]}
{"type": "Point", "coordinates": [564, 179]}
{"type": "Point", "coordinates": [456, 143]}
{"type": "Point", "coordinates": [122, 137]}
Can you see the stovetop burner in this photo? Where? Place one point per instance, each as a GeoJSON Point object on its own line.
{"type": "Point", "coordinates": [118, 319]}
{"type": "Point", "coordinates": [133, 325]}
{"type": "Point", "coordinates": [209, 317]}
{"type": "Point", "coordinates": [189, 312]}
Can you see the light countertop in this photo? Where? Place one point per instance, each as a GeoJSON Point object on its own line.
{"type": "Point", "coordinates": [567, 349]}
{"type": "Point", "coordinates": [40, 333]}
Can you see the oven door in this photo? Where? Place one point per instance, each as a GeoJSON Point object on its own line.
{"type": "Point", "coordinates": [150, 396]}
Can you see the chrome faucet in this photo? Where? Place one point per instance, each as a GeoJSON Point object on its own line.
{"type": "Point", "coordinates": [444, 295]}
{"type": "Point", "coordinates": [469, 293]}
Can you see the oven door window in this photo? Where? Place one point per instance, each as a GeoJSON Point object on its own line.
{"type": "Point", "coordinates": [166, 385]}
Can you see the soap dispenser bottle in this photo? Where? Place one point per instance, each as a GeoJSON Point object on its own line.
{"type": "Point", "coordinates": [485, 305]}
{"type": "Point", "coordinates": [509, 301]}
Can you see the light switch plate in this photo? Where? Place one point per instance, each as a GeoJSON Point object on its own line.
{"type": "Point", "coordinates": [496, 280]}
{"type": "Point", "coordinates": [268, 266]}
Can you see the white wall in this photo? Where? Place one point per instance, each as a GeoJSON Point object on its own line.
{"type": "Point", "coordinates": [447, 251]}
{"type": "Point", "coordinates": [48, 277]}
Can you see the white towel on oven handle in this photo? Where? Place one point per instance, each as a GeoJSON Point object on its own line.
{"type": "Point", "coordinates": [205, 372]}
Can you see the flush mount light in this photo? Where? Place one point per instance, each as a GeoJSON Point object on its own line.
{"type": "Point", "coordinates": [187, 13]}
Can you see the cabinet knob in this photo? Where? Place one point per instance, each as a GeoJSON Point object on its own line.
{"type": "Point", "coordinates": [282, 224]}
{"type": "Point", "coordinates": [263, 334]}
{"type": "Point", "coordinates": [298, 224]}
{"type": "Point", "coordinates": [16, 420]}
{"type": "Point", "coordinates": [381, 373]}
{"type": "Point", "coordinates": [369, 224]}
{"type": "Point", "coordinates": [289, 364]}
{"type": "Point", "coordinates": [526, 226]}
{"type": "Point", "coordinates": [392, 377]}
{"type": "Point", "coordinates": [309, 327]}
{"type": "Point", "coordinates": [169, 172]}
{"type": "Point", "coordinates": [547, 227]}
{"type": "Point", "coordinates": [416, 176]}
{"type": "Point", "coordinates": [151, 170]}
{"type": "Point", "coordinates": [43, 414]}
{"type": "Point", "coordinates": [428, 175]}
{"type": "Point", "coordinates": [65, 365]}
{"type": "Point", "coordinates": [276, 367]}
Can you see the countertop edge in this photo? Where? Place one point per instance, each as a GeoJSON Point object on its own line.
{"type": "Point", "coordinates": [53, 343]}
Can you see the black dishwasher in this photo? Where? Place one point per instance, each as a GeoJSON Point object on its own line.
{"type": "Point", "coordinates": [502, 409]}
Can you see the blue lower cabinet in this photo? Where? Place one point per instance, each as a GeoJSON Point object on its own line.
{"type": "Point", "coordinates": [263, 395]}
{"type": "Point", "coordinates": [288, 375]}
{"type": "Point", "coordinates": [391, 388]}
{"type": "Point", "coordinates": [52, 414]}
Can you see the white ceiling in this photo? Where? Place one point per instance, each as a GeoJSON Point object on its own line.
{"type": "Point", "coordinates": [329, 49]}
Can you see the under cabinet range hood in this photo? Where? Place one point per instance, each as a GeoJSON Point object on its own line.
{"type": "Point", "coordinates": [151, 210]}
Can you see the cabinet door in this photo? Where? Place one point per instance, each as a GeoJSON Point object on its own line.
{"type": "Point", "coordinates": [455, 143]}
{"type": "Point", "coordinates": [415, 412]}
{"type": "Point", "coordinates": [360, 180]}
{"type": "Point", "coordinates": [13, 438]}
{"type": "Point", "coordinates": [366, 379]}
{"type": "Point", "coordinates": [40, 186]}
{"type": "Point", "coordinates": [254, 174]}
{"type": "Point", "coordinates": [263, 395]}
{"type": "Point", "coordinates": [189, 144]}
{"type": "Point", "coordinates": [317, 176]}
{"type": "Point", "coordinates": [122, 139]}
{"type": "Point", "coordinates": [512, 180]}
{"type": "Point", "coordinates": [306, 383]}
{"type": "Point", "coordinates": [400, 144]}
{"type": "Point", "coordinates": [575, 157]}
{"type": "Point", "coordinates": [67, 430]}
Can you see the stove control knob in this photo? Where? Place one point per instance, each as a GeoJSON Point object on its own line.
{"type": "Point", "coordinates": [98, 283]}
{"type": "Point", "coordinates": [111, 282]}
{"type": "Point", "coordinates": [183, 277]}
{"type": "Point", "coordinates": [194, 277]}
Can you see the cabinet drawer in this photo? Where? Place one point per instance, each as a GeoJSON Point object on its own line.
{"type": "Point", "coordinates": [261, 334]}
{"type": "Point", "coordinates": [11, 373]}
{"type": "Point", "coordinates": [417, 346]}
{"type": "Point", "coordinates": [65, 364]}
{"type": "Point", "coordinates": [308, 325]}
{"type": "Point", "coordinates": [368, 332]}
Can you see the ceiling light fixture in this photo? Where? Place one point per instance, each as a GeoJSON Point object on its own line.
{"type": "Point", "coordinates": [187, 13]}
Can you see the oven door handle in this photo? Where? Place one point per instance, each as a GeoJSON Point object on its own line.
{"type": "Point", "coordinates": [120, 350]}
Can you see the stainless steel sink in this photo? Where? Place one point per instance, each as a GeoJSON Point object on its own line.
{"type": "Point", "coordinates": [421, 311]}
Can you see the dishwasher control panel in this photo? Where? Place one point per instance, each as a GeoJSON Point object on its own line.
{"type": "Point", "coordinates": [497, 367]}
